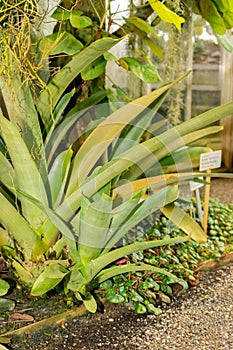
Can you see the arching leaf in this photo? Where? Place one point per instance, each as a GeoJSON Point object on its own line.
{"type": "Point", "coordinates": [57, 43]}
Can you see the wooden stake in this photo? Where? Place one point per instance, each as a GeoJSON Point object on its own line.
{"type": "Point", "coordinates": [206, 202]}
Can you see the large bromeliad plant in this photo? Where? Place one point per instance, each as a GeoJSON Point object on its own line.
{"type": "Point", "coordinates": [65, 203]}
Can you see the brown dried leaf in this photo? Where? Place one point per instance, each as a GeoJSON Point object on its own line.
{"type": "Point", "coordinates": [20, 317]}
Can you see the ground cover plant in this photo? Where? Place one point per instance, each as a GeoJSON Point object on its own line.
{"type": "Point", "coordinates": [147, 292]}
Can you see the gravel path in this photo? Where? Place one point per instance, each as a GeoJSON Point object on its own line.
{"type": "Point", "coordinates": [198, 319]}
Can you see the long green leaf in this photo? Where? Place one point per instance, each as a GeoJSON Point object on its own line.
{"type": "Point", "coordinates": [28, 178]}
{"type": "Point", "coordinates": [185, 222]}
{"type": "Point", "coordinates": [118, 270]}
{"type": "Point", "coordinates": [152, 203]}
{"type": "Point", "coordinates": [58, 175]}
{"type": "Point", "coordinates": [59, 110]}
{"type": "Point", "coordinates": [101, 137]}
{"type": "Point", "coordinates": [63, 228]}
{"type": "Point", "coordinates": [7, 173]}
{"type": "Point", "coordinates": [25, 236]}
{"type": "Point", "coordinates": [49, 279]}
{"type": "Point", "coordinates": [163, 145]}
{"type": "Point", "coordinates": [98, 264]}
{"type": "Point", "coordinates": [122, 213]}
{"type": "Point", "coordinates": [183, 160]}
{"type": "Point", "coordinates": [88, 102]}
{"type": "Point", "coordinates": [59, 139]}
{"type": "Point", "coordinates": [94, 224]}
{"type": "Point", "coordinates": [116, 166]}
{"type": "Point", "coordinates": [51, 95]}
{"type": "Point", "coordinates": [138, 127]}
{"type": "Point", "coordinates": [22, 112]}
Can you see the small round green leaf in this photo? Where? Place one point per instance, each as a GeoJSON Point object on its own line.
{"type": "Point", "coordinates": [106, 284]}
{"type": "Point", "coordinates": [95, 69]}
{"type": "Point", "coordinates": [165, 298]}
{"type": "Point", "coordinates": [154, 310]}
{"type": "Point", "coordinates": [79, 22]}
{"type": "Point", "coordinates": [4, 287]}
{"type": "Point", "coordinates": [6, 305]}
{"type": "Point", "coordinates": [63, 14]}
{"type": "Point", "coordinates": [140, 308]}
{"type": "Point", "coordinates": [136, 297]}
{"type": "Point", "coordinates": [115, 298]}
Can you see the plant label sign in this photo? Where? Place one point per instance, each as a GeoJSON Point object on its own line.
{"type": "Point", "coordinates": [210, 160]}
{"type": "Point", "coordinates": [194, 185]}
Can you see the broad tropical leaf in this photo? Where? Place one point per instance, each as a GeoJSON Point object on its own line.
{"type": "Point", "coordinates": [49, 279]}
{"type": "Point", "coordinates": [27, 176]}
{"type": "Point", "coordinates": [153, 202]}
{"type": "Point", "coordinates": [94, 225]}
{"type": "Point", "coordinates": [118, 270]}
{"type": "Point", "coordinates": [22, 112]}
{"type": "Point", "coordinates": [185, 222]}
{"type": "Point", "coordinates": [98, 141]}
{"type": "Point", "coordinates": [22, 232]}
{"type": "Point", "coordinates": [53, 92]}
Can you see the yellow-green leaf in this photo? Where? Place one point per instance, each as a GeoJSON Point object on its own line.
{"type": "Point", "coordinates": [228, 19]}
{"type": "Point", "coordinates": [166, 14]}
{"type": "Point", "coordinates": [51, 276]}
{"type": "Point", "coordinates": [4, 286]}
{"type": "Point", "coordinates": [142, 25]}
{"type": "Point", "coordinates": [90, 304]}
{"type": "Point", "coordinates": [224, 5]}
{"type": "Point", "coordinates": [146, 72]}
{"type": "Point", "coordinates": [62, 14]}
{"type": "Point", "coordinates": [210, 13]}
{"type": "Point", "coordinates": [185, 222]}
{"type": "Point", "coordinates": [56, 43]}
{"type": "Point", "coordinates": [79, 22]}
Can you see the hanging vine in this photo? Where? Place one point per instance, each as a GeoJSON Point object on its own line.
{"type": "Point", "coordinates": [174, 64]}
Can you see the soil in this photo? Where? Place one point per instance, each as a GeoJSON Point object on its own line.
{"type": "Point", "coordinates": [200, 318]}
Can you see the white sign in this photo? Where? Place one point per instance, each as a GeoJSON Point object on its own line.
{"type": "Point", "coordinates": [194, 185]}
{"type": "Point", "coordinates": [210, 160]}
